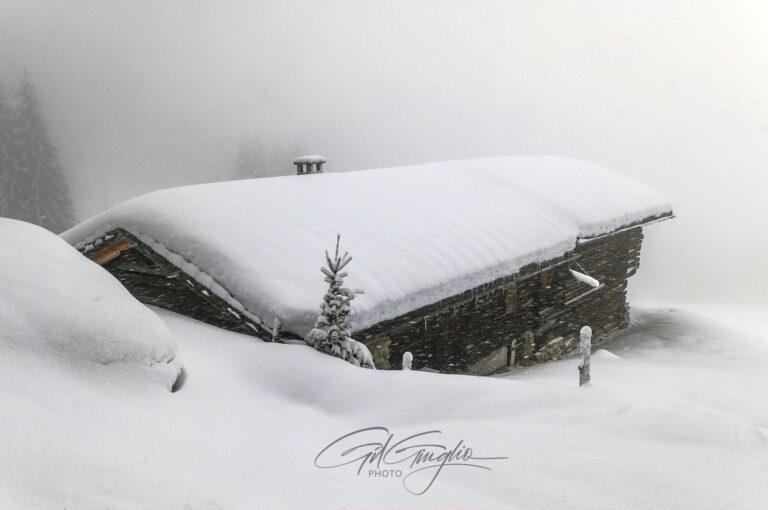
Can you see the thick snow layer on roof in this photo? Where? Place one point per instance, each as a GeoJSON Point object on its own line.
{"type": "Point", "coordinates": [56, 304]}
{"type": "Point", "coordinates": [417, 234]}
{"type": "Point", "coordinates": [311, 158]}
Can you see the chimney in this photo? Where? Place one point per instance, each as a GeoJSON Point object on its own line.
{"type": "Point", "coordinates": [312, 164]}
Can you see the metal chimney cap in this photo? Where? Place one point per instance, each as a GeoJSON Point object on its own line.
{"type": "Point", "coordinates": [309, 159]}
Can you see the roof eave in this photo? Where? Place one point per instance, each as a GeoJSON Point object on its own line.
{"type": "Point", "coordinates": [639, 224]}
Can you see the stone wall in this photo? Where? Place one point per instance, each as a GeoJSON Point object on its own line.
{"type": "Point", "coordinates": [153, 280]}
{"type": "Point", "coordinates": [526, 318]}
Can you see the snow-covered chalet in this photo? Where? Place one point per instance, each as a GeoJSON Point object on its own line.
{"type": "Point", "coordinates": [471, 265]}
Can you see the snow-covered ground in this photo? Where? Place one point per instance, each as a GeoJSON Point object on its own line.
{"type": "Point", "coordinates": [676, 417]}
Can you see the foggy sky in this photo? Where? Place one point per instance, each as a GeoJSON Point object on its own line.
{"type": "Point", "coordinates": [142, 95]}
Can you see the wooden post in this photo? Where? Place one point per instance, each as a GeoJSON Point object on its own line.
{"type": "Point", "coordinates": [585, 349]}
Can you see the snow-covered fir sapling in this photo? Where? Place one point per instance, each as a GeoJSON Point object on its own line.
{"type": "Point", "coordinates": [332, 333]}
{"type": "Point", "coordinates": [407, 361]}
{"type": "Point", "coordinates": [585, 349]}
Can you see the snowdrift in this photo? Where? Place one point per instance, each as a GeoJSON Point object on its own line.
{"type": "Point", "coordinates": [57, 305]}
{"type": "Point", "coordinates": [418, 234]}
{"type": "Point", "coordinates": [679, 423]}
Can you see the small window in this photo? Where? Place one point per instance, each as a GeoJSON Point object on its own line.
{"type": "Point", "coordinates": [511, 299]}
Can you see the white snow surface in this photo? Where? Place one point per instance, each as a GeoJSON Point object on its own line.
{"type": "Point", "coordinates": [56, 305]}
{"type": "Point", "coordinates": [678, 421]}
{"type": "Point", "coordinates": [417, 234]}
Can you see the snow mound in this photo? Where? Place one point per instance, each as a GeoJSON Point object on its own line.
{"type": "Point", "coordinates": [418, 234]}
{"type": "Point", "coordinates": [57, 305]}
{"type": "Point", "coordinates": [602, 354]}
{"type": "Point", "coordinates": [681, 426]}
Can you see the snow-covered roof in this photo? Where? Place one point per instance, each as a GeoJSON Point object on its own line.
{"type": "Point", "coordinates": [417, 234]}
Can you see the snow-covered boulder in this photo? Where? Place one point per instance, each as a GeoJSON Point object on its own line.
{"type": "Point", "coordinates": [58, 305]}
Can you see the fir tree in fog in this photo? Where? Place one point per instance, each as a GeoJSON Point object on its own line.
{"type": "Point", "coordinates": [45, 198]}
{"type": "Point", "coordinates": [11, 190]}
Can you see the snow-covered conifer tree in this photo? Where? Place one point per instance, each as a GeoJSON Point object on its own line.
{"type": "Point", "coordinates": [12, 199]}
{"type": "Point", "coordinates": [332, 333]}
{"type": "Point", "coordinates": [45, 190]}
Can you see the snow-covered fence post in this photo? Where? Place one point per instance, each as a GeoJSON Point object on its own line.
{"type": "Point", "coordinates": [585, 349]}
{"type": "Point", "coordinates": [407, 361]}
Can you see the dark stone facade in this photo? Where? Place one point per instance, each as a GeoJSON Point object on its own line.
{"type": "Point", "coordinates": [526, 318]}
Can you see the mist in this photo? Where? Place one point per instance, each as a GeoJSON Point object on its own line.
{"type": "Point", "coordinates": [144, 95]}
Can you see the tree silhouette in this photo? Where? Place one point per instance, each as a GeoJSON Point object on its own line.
{"type": "Point", "coordinates": [12, 200]}
{"type": "Point", "coordinates": [39, 192]}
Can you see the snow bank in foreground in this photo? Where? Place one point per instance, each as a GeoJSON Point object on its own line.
{"type": "Point", "coordinates": [57, 305]}
{"type": "Point", "coordinates": [418, 234]}
{"type": "Point", "coordinates": [679, 423]}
